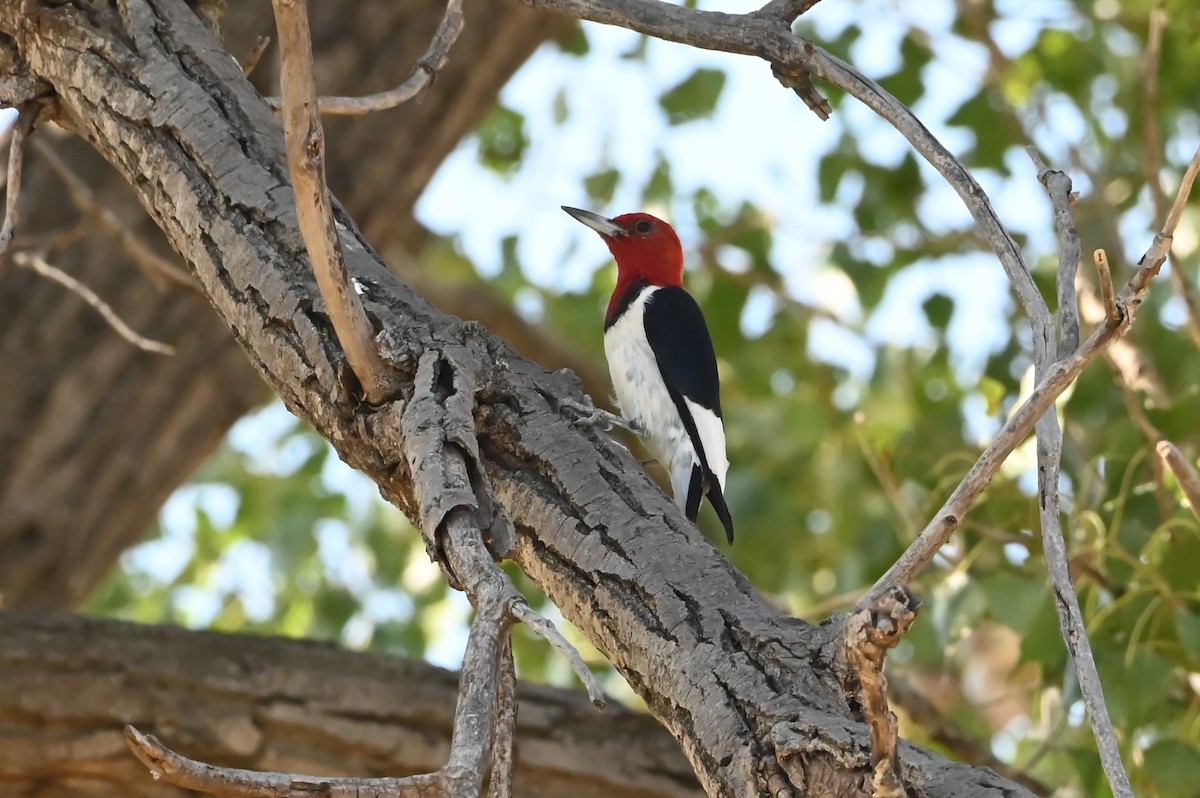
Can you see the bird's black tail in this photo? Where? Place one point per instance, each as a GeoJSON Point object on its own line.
{"type": "Point", "coordinates": [717, 499]}
{"type": "Point", "coordinates": [697, 490]}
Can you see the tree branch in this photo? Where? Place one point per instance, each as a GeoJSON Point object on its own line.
{"type": "Point", "coordinates": [157, 268]}
{"type": "Point", "coordinates": [734, 680]}
{"type": "Point", "coordinates": [868, 634]}
{"type": "Point", "coordinates": [69, 684]}
{"type": "Point", "coordinates": [421, 78]}
{"type": "Point", "coordinates": [1056, 380]}
{"type": "Point", "coordinates": [1152, 156]}
{"type": "Point", "coordinates": [16, 159]}
{"type": "Point", "coordinates": [1185, 473]}
{"type": "Point", "coordinates": [306, 160]}
{"type": "Point", "coordinates": [38, 265]}
{"type": "Point", "coordinates": [1049, 456]}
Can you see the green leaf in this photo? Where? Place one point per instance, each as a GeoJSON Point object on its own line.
{"type": "Point", "coordinates": [1187, 627]}
{"type": "Point", "coordinates": [1014, 601]}
{"type": "Point", "coordinates": [906, 82]}
{"type": "Point", "coordinates": [575, 42]}
{"type": "Point", "coordinates": [602, 185]}
{"type": "Point", "coordinates": [659, 188]}
{"type": "Point", "coordinates": [694, 98]}
{"type": "Point", "coordinates": [1172, 766]}
{"type": "Point", "coordinates": [502, 140]}
{"type": "Point", "coordinates": [938, 309]}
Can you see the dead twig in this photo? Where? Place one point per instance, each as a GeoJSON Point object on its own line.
{"type": "Point", "coordinates": [1056, 380]}
{"type": "Point", "coordinates": [160, 270]}
{"type": "Point", "coordinates": [1058, 188]}
{"type": "Point", "coordinates": [1184, 471]}
{"type": "Point", "coordinates": [1108, 294]}
{"type": "Point", "coordinates": [250, 62]}
{"type": "Point", "coordinates": [306, 161]}
{"type": "Point", "coordinates": [785, 10]}
{"type": "Point", "coordinates": [869, 633]}
{"type": "Point", "coordinates": [1152, 157]}
{"type": "Point", "coordinates": [1049, 457]}
{"type": "Point", "coordinates": [422, 77]}
{"type": "Point", "coordinates": [526, 615]}
{"type": "Point", "coordinates": [16, 160]}
{"type": "Point", "coordinates": [38, 265]}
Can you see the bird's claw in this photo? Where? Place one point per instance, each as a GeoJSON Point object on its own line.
{"type": "Point", "coordinates": [590, 415]}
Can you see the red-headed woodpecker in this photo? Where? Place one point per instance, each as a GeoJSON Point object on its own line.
{"type": "Point", "coordinates": [661, 359]}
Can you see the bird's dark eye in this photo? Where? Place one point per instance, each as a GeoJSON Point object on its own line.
{"type": "Point", "coordinates": [642, 227]}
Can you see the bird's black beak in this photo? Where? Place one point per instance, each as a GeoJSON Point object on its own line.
{"type": "Point", "coordinates": [605, 227]}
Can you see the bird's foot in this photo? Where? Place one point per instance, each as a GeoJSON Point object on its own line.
{"type": "Point", "coordinates": [590, 415]}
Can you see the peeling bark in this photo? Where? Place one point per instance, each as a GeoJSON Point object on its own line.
{"type": "Point", "coordinates": [749, 693]}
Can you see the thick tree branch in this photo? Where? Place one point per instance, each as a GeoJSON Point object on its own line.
{"type": "Point", "coordinates": [69, 685]}
{"type": "Point", "coordinates": [733, 680]}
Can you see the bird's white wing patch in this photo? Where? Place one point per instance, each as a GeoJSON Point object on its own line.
{"type": "Point", "coordinates": [712, 438]}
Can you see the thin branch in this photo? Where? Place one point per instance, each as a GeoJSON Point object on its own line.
{"type": "Point", "coordinates": [1152, 156]}
{"type": "Point", "coordinates": [1152, 140]}
{"type": "Point", "coordinates": [526, 615]}
{"type": "Point", "coordinates": [38, 264]}
{"type": "Point", "coordinates": [500, 780]}
{"type": "Point", "coordinates": [422, 77]}
{"type": "Point", "coordinates": [869, 633]}
{"type": "Point", "coordinates": [250, 62]}
{"type": "Point", "coordinates": [306, 161]}
{"type": "Point", "coordinates": [1184, 471]}
{"type": "Point", "coordinates": [1058, 188]}
{"type": "Point", "coordinates": [1056, 380]}
{"type": "Point", "coordinates": [174, 768]}
{"type": "Point", "coordinates": [160, 270]}
{"type": "Point", "coordinates": [1134, 372]}
{"type": "Point", "coordinates": [1108, 294]}
{"type": "Point", "coordinates": [1049, 458]}
{"type": "Point", "coordinates": [16, 160]}
{"type": "Point", "coordinates": [786, 10]}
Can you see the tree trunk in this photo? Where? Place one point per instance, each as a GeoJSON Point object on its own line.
{"type": "Point", "coordinates": [753, 697]}
{"type": "Point", "coordinates": [69, 685]}
{"type": "Point", "coordinates": [95, 434]}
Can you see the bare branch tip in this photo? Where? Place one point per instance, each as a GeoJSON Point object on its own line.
{"type": "Point", "coordinates": [252, 59]}
{"type": "Point", "coordinates": [521, 611]}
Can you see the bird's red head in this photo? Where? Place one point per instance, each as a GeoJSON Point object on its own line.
{"type": "Point", "coordinates": [646, 249]}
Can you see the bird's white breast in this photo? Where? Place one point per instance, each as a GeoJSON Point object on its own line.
{"type": "Point", "coordinates": [642, 394]}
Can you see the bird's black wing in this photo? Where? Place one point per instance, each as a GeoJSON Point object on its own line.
{"type": "Point", "coordinates": [683, 349]}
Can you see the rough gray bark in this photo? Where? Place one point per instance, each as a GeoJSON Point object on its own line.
{"type": "Point", "coordinates": [750, 694]}
{"type": "Point", "coordinates": [93, 434]}
{"type": "Point", "coordinates": [269, 703]}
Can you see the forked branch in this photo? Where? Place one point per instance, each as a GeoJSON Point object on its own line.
{"type": "Point", "coordinates": [1058, 377]}
{"type": "Point", "coordinates": [1049, 458]}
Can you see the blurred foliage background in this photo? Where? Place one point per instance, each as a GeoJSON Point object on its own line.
{"type": "Point", "coordinates": [868, 346]}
